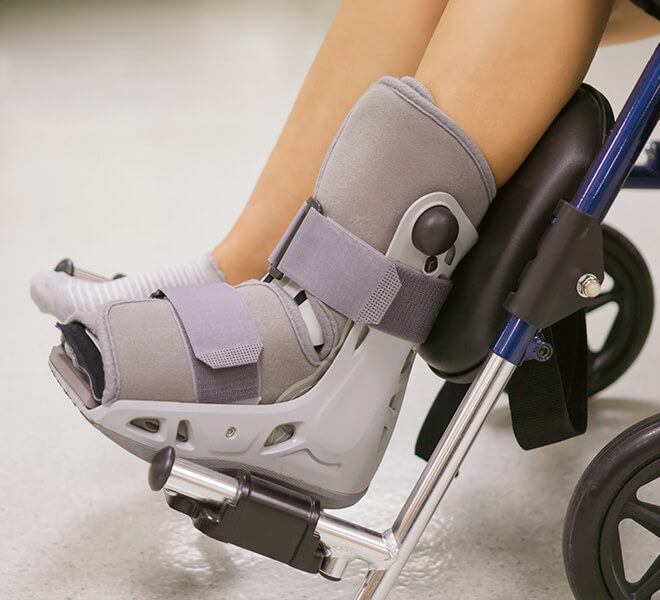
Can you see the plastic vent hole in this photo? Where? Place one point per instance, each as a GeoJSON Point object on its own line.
{"type": "Point", "coordinates": [451, 254]}
{"type": "Point", "coordinates": [408, 362]}
{"type": "Point", "coordinates": [396, 401]}
{"type": "Point", "coordinates": [361, 337]}
{"type": "Point", "coordinates": [146, 424]}
{"type": "Point", "coordinates": [182, 432]}
{"type": "Point", "coordinates": [431, 264]}
{"type": "Point", "coordinates": [281, 433]}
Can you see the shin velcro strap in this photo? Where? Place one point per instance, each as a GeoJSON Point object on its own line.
{"type": "Point", "coordinates": [355, 279]}
{"type": "Point", "coordinates": [218, 324]}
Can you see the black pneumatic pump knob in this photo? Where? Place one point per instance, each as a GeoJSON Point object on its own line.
{"type": "Point", "coordinates": [161, 467]}
{"type": "Point", "coordinates": [435, 231]}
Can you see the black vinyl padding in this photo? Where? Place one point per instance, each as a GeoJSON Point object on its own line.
{"type": "Point", "coordinates": [650, 6]}
{"type": "Point", "coordinates": [473, 313]}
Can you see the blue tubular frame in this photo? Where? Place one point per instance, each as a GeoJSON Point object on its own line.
{"type": "Point", "coordinates": [602, 183]}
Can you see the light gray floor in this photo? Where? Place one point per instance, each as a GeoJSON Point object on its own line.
{"type": "Point", "coordinates": [130, 136]}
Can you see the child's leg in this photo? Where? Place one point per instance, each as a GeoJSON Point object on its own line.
{"type": "Point", "coordinates": [503, 70]}
{"type": "Point", "coordinates": [629, 23]}
{"type": "Point", "coordinates": [367, 40]}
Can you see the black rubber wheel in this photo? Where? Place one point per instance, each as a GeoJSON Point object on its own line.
{"type": "Point", "coordinates": [632, 292]}
{"type": "Point", "coordinates": [606, 495]}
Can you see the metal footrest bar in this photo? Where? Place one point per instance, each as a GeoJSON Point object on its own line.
{"type": "Point", "coordinates": [341, 541]}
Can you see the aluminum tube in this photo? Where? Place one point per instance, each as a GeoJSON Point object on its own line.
{"type": "Point", "coordinates": [439, 473]}
{"type": "Point", "coordinates": [345, 539]}
{"type": "Point", "coordinates": [199, 483]}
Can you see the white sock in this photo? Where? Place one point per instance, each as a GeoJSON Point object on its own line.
{"type": "Point", "coordinates": [61, 295]}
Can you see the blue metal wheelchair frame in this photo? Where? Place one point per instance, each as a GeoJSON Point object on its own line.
{"type": "Point", "coordinates": [605, 178]}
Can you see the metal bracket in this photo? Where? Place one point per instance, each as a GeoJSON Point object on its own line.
{"type": "Point", "coordinates": [538, 349]}
{"type": "Point", "coordinates": [549, 287]}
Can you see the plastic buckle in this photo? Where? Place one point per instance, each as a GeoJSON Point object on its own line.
{"type": "Point", "coordinates": [548, 286]}
{"type": "Point", "coordinates": [310, 203]}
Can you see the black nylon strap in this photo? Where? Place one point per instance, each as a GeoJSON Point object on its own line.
{"type": "Point", "coordinates": [548, 400]}
{"type": "Point", "coordinates": [440, 414]}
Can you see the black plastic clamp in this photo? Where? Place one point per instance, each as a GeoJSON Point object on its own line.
{"type": "Point", "coordinates": [569, 249]}
{"type": "Point", "coordinates": [266, 518]}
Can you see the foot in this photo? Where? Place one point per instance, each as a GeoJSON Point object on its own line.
{"type": "Point", "coordinates": [244, 370]}
{"type": "Point", "coordinates": [60, 294]}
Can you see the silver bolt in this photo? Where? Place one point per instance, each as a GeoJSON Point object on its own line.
{"type": "Point", "coordinates": [431, 264]}
{"type": "Point", "coordinates": [230, 432]}
{"type": "Point", "coordinates": [588, 286]}
{"type": "Point", "coordinates": [543, 352]}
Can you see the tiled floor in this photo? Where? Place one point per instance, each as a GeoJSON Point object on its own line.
{"type": "Point", "coordinates": [130, 136]}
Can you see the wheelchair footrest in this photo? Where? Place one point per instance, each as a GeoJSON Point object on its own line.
{"type": "Point", "coordinates": [265, 518]}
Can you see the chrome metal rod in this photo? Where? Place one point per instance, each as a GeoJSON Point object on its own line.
{"type": "Point", "coordinates": [439, 473]}
{"type": "Point", "coordinates": [348, 540]}
{"type": "Point", "coordinates": [343, 539]}
{"type": "Point", "coordinates": [199, 483]}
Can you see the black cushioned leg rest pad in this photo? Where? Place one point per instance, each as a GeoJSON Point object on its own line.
{"type": "Point", "coordinates": [473, 313]}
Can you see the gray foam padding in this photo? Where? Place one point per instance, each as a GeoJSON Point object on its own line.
{"type": "Point", "coordinates": [394, 147]}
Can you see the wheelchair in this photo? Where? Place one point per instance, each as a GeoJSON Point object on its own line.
{"type": "Point", "coordinates": [514, 322]}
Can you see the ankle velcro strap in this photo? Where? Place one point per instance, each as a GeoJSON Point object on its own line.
{"type": "Point", "coordinates": [355, 279]}
{"type": "Point", "coordinates": [220, 333]}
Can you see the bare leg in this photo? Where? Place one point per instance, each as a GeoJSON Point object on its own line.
{"type": "Point", "coordinates": [503, 70]}
{"type": "Point", "coordinates": [629, 23]}
{"type": "Point", "coordinates": [367, 40]}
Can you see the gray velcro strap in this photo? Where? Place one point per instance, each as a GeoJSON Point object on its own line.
{"type": "Point", "coordinates": [355, 279]}
{"type": "Point", "coordinates": [218, 324]}
{"type": "Point", "coordinates": [415, 308]}
{"type": "Point", "coordinates": [219, 331]}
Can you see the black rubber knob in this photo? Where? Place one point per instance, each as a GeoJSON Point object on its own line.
{"type": "Point", "coordinates": [435, 231]}
{"type": "Point", "coordinates": [161, 467]}
{"type": "Point", "coordinates": [66, 266]}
